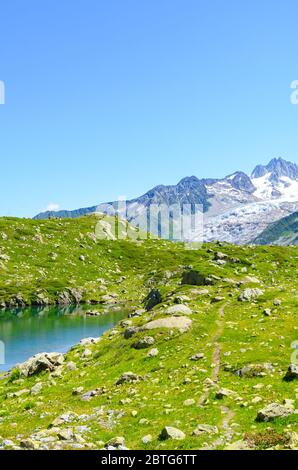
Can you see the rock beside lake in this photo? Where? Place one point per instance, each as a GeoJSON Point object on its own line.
{"type": "Point", "coordinates": [40, 362]}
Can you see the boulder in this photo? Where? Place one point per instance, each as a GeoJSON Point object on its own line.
{"type": "Point", "coordinates": [292, 372]}
{"type": "Point", "coordinates": [130, 331]}
{"type": "Point", "coordinates": [128, 377]}
{"type": "Point", "coordinates": [153, 298]}
{"type": "Point", "coordinates": [40, 362]}
{"type": "Point", "coordinates": [197, 357]}
{"type": "Point", "coordinates": [144, 343]}
{"type": "Point", "coordinates": [178, 309]}
{"type": "Point", "coordinates": [181, 323]}
{"type": "Point", "coordinates": [195, 278]}
{"type": "Point", "coordinates": [273, 411]}
{"type": "Point", "coordinates": [36, 389]}
{"type": "Point", "coordinates": [250, 294]}
{"type": "Point", "coordinates": [255, 370]}
{"type": "Point", "coordinates": [153, 352]}
{"type": "Point", "coordinates": [205, 429]}
{"type": "Point", "coordinates": [170, 432]}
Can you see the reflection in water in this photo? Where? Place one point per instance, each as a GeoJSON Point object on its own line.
{"type": "Point", "coordinates": [28, 331]}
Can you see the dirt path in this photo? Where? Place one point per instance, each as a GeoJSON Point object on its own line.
{"type": "Point", "coordinates": [216, 356]}
{"type": "Point", "coordinates": [227, 431]}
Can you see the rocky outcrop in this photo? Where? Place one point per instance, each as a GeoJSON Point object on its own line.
{"type": "Point", "coordinates": [40, 362]}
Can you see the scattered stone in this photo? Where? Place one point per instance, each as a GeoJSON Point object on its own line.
{"type": "Point", "coordinates": [128, 377]}
{"type": "Point", "coordinates": [179, 299]}
{"type": "Point", "coordinates": [197, 357]}
{"type": "Point", "coordinates": [255, 370]}
{"type": "Point", "coordinates": [250, 294]}
{"type": "Point", "coordinates": [71, 366]}
{"type": "Point", "coordinates": [153, 298]}
{"type": "Point", "coordinates": [205, 429]}
{"type": "Point", "coordinates": [116, 443]}
{"type": "Point", "coordinates": [189, 402]}
{"type": "Point", "coordinates": [153, 352]}
{"type": "Point", "coordinates": [273, 411]}
{"type": "Point", "coordinates": [144, 342]}
{"type": "Point", "coordinates": [130, 331]}
{"type": "Point", "coordinates": [40, 362]}
{"type": "Point", "coordinates": [181, 323]}
{"type": "Point", "coordinates": [36, 389]}
{"type": "Point", "coordinates": [87, 341]}
{"type": "Point", "coordinates": [178, 309]}
{"type": "Point", "coordinates": [87, 353]}
{"type": "Point", "coordinates": [29, 444]}
{"type": "Point", "coordinates": [64, 418]}
{"type": "Point", "coordinates": [292, 372]}
{"type": "Point", "coordinates": [238, 445]}
{"type": "Point", "coordinates": [225, 392]}
{"type": "Point", "coordinates": [65, 434]}
{"type": "Point", "coordinates": [146, 439]}
{"type": "Point", "coordinates": [194, 278]}
{"type": "Point", "coordinates": [170, 432]}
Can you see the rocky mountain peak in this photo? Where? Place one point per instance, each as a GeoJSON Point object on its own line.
{"type": "Point", "coordinates": [278, 167]}
{"type": "Point", "coordinates": [241, 181]}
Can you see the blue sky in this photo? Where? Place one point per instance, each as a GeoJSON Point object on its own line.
{"type": "Point", "coordinates": [109, 98]}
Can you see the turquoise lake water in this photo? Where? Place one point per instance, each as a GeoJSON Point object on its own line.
{"type": "Point", "coordinates": [28, 331]}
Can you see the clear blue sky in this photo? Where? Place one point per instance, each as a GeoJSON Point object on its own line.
{"type": "Point", "coordinates": [109, 98]}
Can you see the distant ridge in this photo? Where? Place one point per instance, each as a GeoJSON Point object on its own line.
{"type": "Point", "coordinates": [237, 208]}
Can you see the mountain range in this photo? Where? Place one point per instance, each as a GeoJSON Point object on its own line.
{"type": "Point", "coordinates": [237, 208]}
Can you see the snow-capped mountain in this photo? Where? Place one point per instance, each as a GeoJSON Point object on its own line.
{"type": "Point", "coordinates": [240, 215]}
{"type": "Point", "coordinates": [237, 208]}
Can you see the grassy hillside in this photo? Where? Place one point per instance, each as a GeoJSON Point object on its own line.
{"type": "Point", "coordinates": [282, 232]}
{"type": "Point", "coordinates": [218, 356]}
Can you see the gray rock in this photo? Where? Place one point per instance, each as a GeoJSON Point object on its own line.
{"type": "Point", "coordinates": [292, 372]}
{"type": "Point", "coordinates": [178, 309]}
{"type": "Point", "coordinates": [153, 352]}
{"type": "Point", "coordinates": [116, 443]}
{"type": "Point", "coordinates": [153, 298]}
{"type": "Point", "coordinates": [273, 411]}
{"type": "Point", "coordinates": [36, 389]}
{"type": "Point", "coordinates": [181, 323]}
{"type": "Point", "coordinates": [130, 331]}
{"type": "Point", "coordinates": [170, 432]}
{"type": "Point", "coordinates": [144, 343]}
{"type": "Point", "coordinates": [194, 278]}
{"type": "Point", "coordinates": [146, 439]}
{"type": "Point", "coordinates": [197, 357]}
{"type": "Point", "coordinates": [128, 377]}
{"type": "Point", "coordinates": [205, 429]}
{"type": "Point", "coordinates": [250, 294]}
{"type": "Point", "coordinates": [255, 370]}
{"type": "Point", "coordinates": [40, 362]}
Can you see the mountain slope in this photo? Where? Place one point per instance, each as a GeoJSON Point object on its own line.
{"type": "Point", "coordinates": [282, 232]}
{"type": "Point", "coordinates": [210, 365]}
